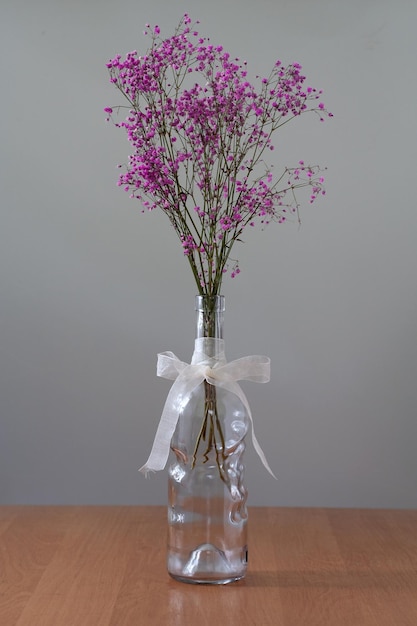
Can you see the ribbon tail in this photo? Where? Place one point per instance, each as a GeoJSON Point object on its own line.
{"type": "Point", "coordinates": [237, 390]}
{"type": "Point", "coordinates": [181, 388]}
{"type": "Point", "coordinates": [259, 450]}
{"type": "Point", "coordinates": [161, 445]}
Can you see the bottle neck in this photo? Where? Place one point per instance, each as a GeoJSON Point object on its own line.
{"type": "Point", "coordinates": [209, 316]}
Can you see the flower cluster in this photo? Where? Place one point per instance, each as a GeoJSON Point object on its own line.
{"type": "Point", "coordinates": [199, 132]}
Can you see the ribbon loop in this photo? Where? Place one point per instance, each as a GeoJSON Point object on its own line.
{"type": "Point", "coordinates": [208, 363]}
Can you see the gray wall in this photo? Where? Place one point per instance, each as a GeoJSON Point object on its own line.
{"type": "Point", "coordinates": [91, 289]}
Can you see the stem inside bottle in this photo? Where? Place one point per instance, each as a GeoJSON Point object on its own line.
{"type": "Point", "coordinates": [210, 318]}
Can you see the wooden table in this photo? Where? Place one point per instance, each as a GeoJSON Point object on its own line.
{"type": "Point", "coordinates": [105, 566]}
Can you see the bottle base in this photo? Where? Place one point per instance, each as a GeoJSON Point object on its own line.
{"type": "Point", "coordinates": [207, 581]}
{"type": "Point", "coordinates": [207, 565]}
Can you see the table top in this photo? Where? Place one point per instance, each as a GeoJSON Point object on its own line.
{"type": "Point", "coordinates": [105, 566]}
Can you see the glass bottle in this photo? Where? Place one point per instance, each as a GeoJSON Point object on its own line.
{"type": "Point", "coordinates": [207, 514]}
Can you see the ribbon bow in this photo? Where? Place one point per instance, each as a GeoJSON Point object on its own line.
{"type": "Point", "coordinates": [216, 371]}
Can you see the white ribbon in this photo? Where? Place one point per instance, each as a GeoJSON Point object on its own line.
{"type": "Point", "coordinates": [216, 371]}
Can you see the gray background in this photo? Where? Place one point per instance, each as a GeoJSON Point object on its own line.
{"type": "Point", "coordinates": [91, 289]}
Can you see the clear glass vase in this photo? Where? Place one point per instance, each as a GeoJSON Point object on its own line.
{"type": "Point", "coordinates": [207, 514]}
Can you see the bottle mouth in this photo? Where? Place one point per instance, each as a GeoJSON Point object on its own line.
{"type": "Point", "coordinates": [212, 303]}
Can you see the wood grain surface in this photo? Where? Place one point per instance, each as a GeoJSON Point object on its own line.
{"type": "Point", "coordinates": [105, 566]}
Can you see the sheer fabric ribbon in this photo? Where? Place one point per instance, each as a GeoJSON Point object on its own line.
{"type": "Point", "coordinates": [216, 371]}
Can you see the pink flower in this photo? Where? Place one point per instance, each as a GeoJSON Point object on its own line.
{"type": "Point", "coordinates": [199, 132]}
